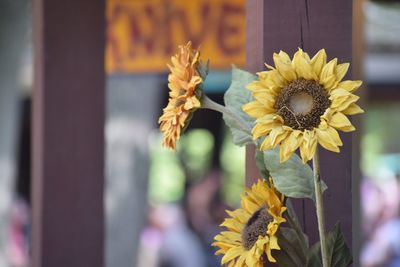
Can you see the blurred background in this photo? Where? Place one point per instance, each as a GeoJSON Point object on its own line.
{"type": "Point", "coordinates": [163, 208]}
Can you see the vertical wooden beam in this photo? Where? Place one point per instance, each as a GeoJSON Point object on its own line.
{"type": "Point", "coordinates": [68, 139]}
{"type": "Point", "coordinates": [358, 54]}
{"type": "Point", "coordinates": [311, 25]}
{"type": "Point", "coordinates": [254, 62]}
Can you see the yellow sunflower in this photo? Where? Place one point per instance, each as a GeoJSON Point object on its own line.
{"type": "Point", "coordinates": [183, 82]}
{"type": "Point", "coordinates": [302, 102]}
{"type": "Point", "coordinates": [251, 229]}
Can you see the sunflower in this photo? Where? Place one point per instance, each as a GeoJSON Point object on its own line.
{"type": "Point", "coordinates": [302, 102]}
{"type": "Point", "coordinates": [183, 83]}
{"type": "Point", "coordinates": [251, 229]}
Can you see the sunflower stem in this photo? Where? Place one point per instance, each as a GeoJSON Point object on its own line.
{"type": "Point", "coordinates": [319, 202]}
{"type": "Point", "coordinates": [207, 103]}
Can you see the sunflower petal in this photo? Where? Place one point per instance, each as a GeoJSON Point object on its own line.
{"type": "Point", "coordinates": [353, 109]}
{"type": "Point", "coordinates": [309, 145]}
{"type": "Point", "coordinates": [255, 109]}
{"type": "Point", "coordinates": [326, 140]}
{"type": "Point", "coordinates": [341, 122]}
{"type": "Point", "coordinates": [303, 67]}
{"type": "Point", "coordinates": [284, 66]}
{"type": "Point", "coordinates": [328, 75]}
{"type": "Point", "coordinates": [341, 71]}
{"type": "Point", "coordinates": [350, 86]}
{"type": "Point", "coordinates": [319, 61]}
{"type": "Point", "coordinates": [290, 144]}
{"type": "Point", "coordinates": [232, 254]}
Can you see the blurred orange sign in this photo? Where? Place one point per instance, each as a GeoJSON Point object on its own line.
{"type": "Point", "coordinates": [143, 34]}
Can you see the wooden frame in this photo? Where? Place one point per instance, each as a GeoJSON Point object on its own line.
{"type": "Point", "coordinates": [68, 138]}
{"type": "Point", "coordinates": [311, 25]}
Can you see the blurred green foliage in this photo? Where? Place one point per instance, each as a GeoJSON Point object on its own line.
{"type": "Point", "coordinates": [169, 170]}
{"type": "Point", "coordinates": [380, 136]}
{"type": "Point", "coordinates": [232, 160]}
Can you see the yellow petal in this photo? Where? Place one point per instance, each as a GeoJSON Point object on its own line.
{"type": "Point", "coordinates": [309, 145]}
{"type": "Point", "coordinates": [350, 86]}
{"type": "Point", "coordinates": [191, 103]}
{"type": "Point", "coordinates": [340, 96]}
{"type": "Point", "coordinates": [231, 254]}
{"type": "Point", "coordinates": [269, 255]}
{"type": "Point", "coordinates": [284, 66]}
{"type": "Point", "coordinates": [255, 109]}
{"type": "Point", "coordinates": [353, 109]}
{"type": "Point", "coordinates": [232, 224]}
{"type": "Point", "coordinates": [334, 135]}
{"type": "Point", "coordinates": [328, 75]}
{"type": "Point", "coordinates": [262, 129]}
{"type": "Point", "coordinates": [341, 122]}
{"type": "Point", "coordinates": [273, 242]}
{"type": "Point", "coordinates": [239, 214]}
{"type": "Point", "coordinates": [319, 61]}
{"type": "Point", "coordinates": [290, 144]}
{"type": "Point", "coordinates": [266, 144]}
{"type": "Point", "coordinates": [303, 66]}
{"type": "Point", "coordinates": [277, 135]}
{"type": "Point", "coordinates": [341, 71]}
{"type": "Point", "coordinates": [251, 260]}
{"type": "Point", "coordinates": [249, 205]}
{"type": "Point", "coordinates": [326, 140]}
{"type": "Point", "coordinates": [256, 85]}
{"type": "Point", "coordinates": [277, 80]}
{"type": "Point", "coordinates": [265, 98]}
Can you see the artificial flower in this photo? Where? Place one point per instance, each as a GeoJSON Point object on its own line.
{"type": "Point", "coordinates": [251, 231]}
{"type": "Point", "coordinates": [302, 102]}
{"type": "Point", "coordinates": [184, 96]}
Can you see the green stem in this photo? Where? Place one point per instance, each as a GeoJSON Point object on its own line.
{"type": "Point", "coordinates": [207, 103]}
{"type": "Point", "coordinates": [320, 209]}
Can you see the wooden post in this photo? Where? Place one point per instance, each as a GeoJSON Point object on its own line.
{"type": "Point", "coordinates": [311, 25]}
{"type": "Point", "coordinates": [68, 139]}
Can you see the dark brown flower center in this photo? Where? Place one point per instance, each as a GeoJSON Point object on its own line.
{"type": "Point", "coordinates": [256, 226]}
{"type": "Point", "coordinates": [301, 104]}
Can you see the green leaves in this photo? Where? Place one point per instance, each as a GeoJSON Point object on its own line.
{"type": "Point", "coordinates": [235, 97]}
{"type": "Point", "coordinates": [292, 178]}
{"type": "Point", "coordinates": [292, 250]}
{"type": "Point", "coordinates": [338, 252]}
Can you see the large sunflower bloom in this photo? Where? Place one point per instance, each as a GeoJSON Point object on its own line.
{"type": "Point", "coordinates": [302, 102]}
{"type": "Point", "coordinates": [251, 229]}
{"type": "Point", "coordinates": [184, 81]}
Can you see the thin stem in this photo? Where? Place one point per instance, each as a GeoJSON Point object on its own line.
{"type": "Point", "coordinates": [210, 104]}
{"type": "Point", "coordinates": [207, 103]}
{"type": "Point", "coordinates": [320, 209]}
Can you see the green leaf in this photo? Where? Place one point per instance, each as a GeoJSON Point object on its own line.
{"type": "Point", "coordinates": [235, 97]}
{"type": "Point", "coordinates": [338, 252]}
{"type": "Point", "coordinates": [291, 253]}
{"type": "Point", "coordinates": [294, 223]}
{"type": "Point", "coordinates": [261, 165]}
{"type": "Point", "coordinates": [292, 178]}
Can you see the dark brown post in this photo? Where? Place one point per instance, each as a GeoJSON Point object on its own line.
{"type": "Point", "coordinates": [68, 119]}
{"type": "Point", "coordinates": [311, 25]}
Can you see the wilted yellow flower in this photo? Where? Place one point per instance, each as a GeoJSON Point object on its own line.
{"type": "Point", "coordinates": [184, 81]}
{"type": "Point", "coordinates": [251, 229]}
{"type": "Point", "coordinates": [302, 102]}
